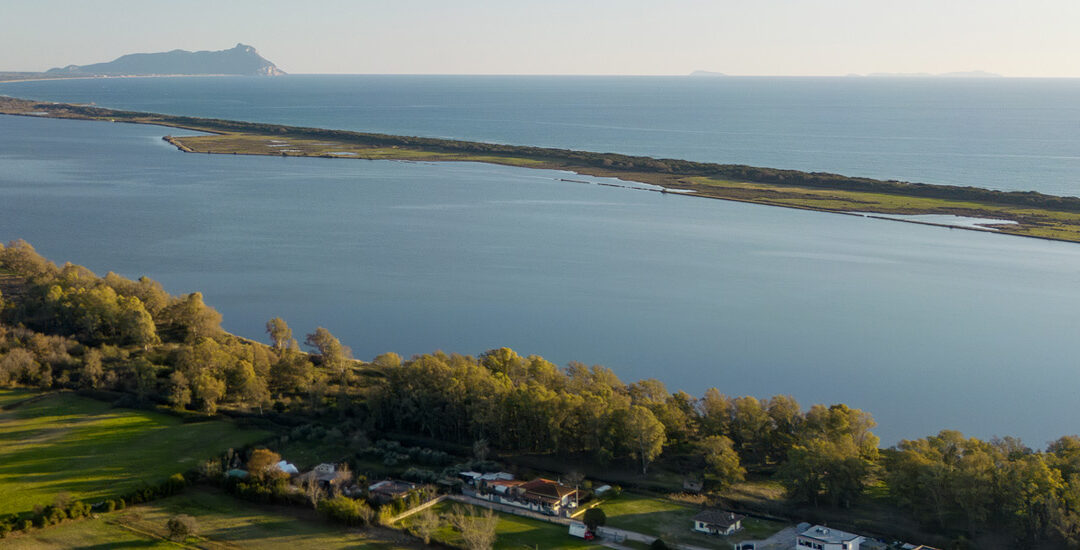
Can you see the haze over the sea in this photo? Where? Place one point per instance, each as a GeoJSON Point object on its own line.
{"type": "Point", "coordinates": [768, 37]}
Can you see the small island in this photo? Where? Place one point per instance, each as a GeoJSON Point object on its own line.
{"type": "Point", "coordinates": [1022, 213]}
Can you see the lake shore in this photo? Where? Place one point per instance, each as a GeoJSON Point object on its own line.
{"type": "Point", "coordinates": [1033, 214]}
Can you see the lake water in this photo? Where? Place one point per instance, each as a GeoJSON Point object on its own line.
{"type": "Point", "coordinates": [927, 328]}
{"type": "Point", "coordinates": [1014, 134]}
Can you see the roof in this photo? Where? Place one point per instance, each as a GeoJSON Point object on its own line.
{"type": "Point", "coordinates": [827, 535]}
{"type": "Point", "coordinates": [719, 518]}
{"type": "Point", "coordinates": [391, 487]}
{"type": "Point", "coordinates": [286, 467]}
{"type": "Point", "coordinates": [547, 488]}
{"type": "Point", "coordinates": [493, 476]}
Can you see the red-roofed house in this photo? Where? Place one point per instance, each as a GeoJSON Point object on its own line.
{"type": "Point", "coordinates": [540, 495]}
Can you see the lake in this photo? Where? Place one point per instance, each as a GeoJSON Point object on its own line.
{"type": "Point", "coordinates": [927, 328]}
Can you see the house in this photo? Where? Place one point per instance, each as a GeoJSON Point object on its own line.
{"type": "Point", "coordinates": [324, 474]}
{"type": "Point", "coordinates": [390, 489]}
{"type": "Point", "coordinates": [718, 522]}
{"type": "Point", "coordinates": [819, 537]}
{"type": "Point", "coordinates": [539, 495]}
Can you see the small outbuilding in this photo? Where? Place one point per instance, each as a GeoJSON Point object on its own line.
{"type": "Point", "coordinates": [718, 522]}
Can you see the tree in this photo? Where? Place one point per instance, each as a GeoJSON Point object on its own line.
{"type": "Point", "coordinates": [291, 373]}
{"type": "Point", "coordinates": [136, 327]}
{"type": "Point", "coordinates": [722, 460]}
{"type": "Point", "coordinates": [179, 390]}
{"type": "Point", "coordinates": [208, 390]}
{"type": "Point", "coordinates": [181, 527]}
{"type": "Point", "coordinates": [594, 517]}
{"type": "Point", "coordinates": [425, 524]}
{"type": "Point", "coordinates": [477, 529]}
{"type": "Point", "coordinates": [335, 357]}
{"type": "Point", "coordinates": [263, 463]}
{"type": "Point", "coordinates": [313, 492]}
{"type": "Point", "coordinates": [645, 434]}
{"type": "Point", "coordinates": [193, 319]}
{"type": "Point", "coordinates": [480, 449]}
{"type": "Point", "coordinates": [92, 371]}
{"type": "Point", "coordinates": [280, 334]}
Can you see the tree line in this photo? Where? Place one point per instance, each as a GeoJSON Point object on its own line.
{"type": "Point", "coordinates": [65, 327]}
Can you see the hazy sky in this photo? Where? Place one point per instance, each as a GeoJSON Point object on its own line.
{"type": "Point", "coordinates": [747, 37]}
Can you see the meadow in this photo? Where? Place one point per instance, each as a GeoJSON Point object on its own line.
{"type": "Point", "coordinates": [88, 449]}
{"type": "Point", "coordinates": [222, 522]}
{"type": "Point", "coordinates": [672, 521]}
{"type": "Point", "coordinates": [513, 532]}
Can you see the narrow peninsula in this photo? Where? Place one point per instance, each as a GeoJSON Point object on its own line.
{"type": "Point", "coordinates": [1027, 213]}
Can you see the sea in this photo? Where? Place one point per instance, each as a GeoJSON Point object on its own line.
{"type": "Point", "coordinates": [928, 328]}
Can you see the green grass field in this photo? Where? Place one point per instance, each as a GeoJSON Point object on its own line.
{"type": "Point", "coordinates": [88, 449]}
{"type": "Point", "coordinates": [515, 532]}
{"type": "Point", "coordinates": [222, 521]}
{"type": "Point", "coordinates": [672, 521]}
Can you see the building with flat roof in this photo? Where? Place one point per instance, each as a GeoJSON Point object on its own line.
{"type": "Point", "coordinates": [819, 537]}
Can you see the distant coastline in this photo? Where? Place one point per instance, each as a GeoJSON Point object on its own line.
{"type": "Point", "coordinates": [1028, 214]}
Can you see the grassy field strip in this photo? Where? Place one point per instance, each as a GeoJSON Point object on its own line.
{"type": "Point", "coordinates": [672, 521]}
{"type": "Point", "coordinates": [88, 449]}
{"type": "Point", "coordinates": [223, 523]}
{"type": "Point", "coordinates": [514, 532]}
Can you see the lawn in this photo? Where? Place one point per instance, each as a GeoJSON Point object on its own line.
{"type": "Point", "coordinates": [7, 397]}
{"type": "Point", "coordinates": [222, 523]}
{"type": "Point", "coordinates": [515, 532]}
{"type": "Point", "coordinates": [672, 521]}
{"type": "Point", "coordinates": [90, 450]}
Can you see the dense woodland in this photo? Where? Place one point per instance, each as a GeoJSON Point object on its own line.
{"type": "Point", "coordinates": [66, 327]}
{"type": "Point", "coordinates": [608, 162]}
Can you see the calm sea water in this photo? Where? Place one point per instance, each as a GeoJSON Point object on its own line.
{"type": "Point", "coordinates": [927, 328]}
{"type": "Point", "coordinates": [1015, 134]}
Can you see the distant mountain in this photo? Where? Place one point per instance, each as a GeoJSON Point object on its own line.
{"type": "Point", "coordinates": [706, 73]}
{"type": "Point", "coordinates": [241, 60]}
{"type": "Point", "coordinates": [958, 74]}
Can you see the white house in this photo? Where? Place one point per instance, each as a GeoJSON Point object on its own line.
{"type": "Point", "coordinates": [819, 537]}
{"type": "Point", "coordinates": [718, 522]}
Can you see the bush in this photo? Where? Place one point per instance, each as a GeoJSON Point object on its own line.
{"type": "Point", "coordinates": [174, 484]}
{"type": "Point", "coordinates": [180, 527]}
{"type": "Point", "coordinates": [658, 544]}
{"type": "Point", "coordinates": [344, 510]}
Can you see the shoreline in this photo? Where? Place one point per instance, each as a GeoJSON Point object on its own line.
{"type": "Point", "coordinates": [1033, 214]}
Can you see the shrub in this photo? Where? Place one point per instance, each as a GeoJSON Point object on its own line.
{"type": "Point", "coordinates": [344, 510]}
{"type": "Point", "coordinates": [658, 544]}
{"type": "Point", "coordinates": [174, 484]}
{"type": "Point", "coordinates": [180, 527]}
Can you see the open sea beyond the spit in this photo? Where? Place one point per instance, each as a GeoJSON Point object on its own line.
{"type": "Point", "coordinates": [927, 328]}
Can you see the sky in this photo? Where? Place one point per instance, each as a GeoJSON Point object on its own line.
{"type": "Point", "coordinates": [1030, 38]}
